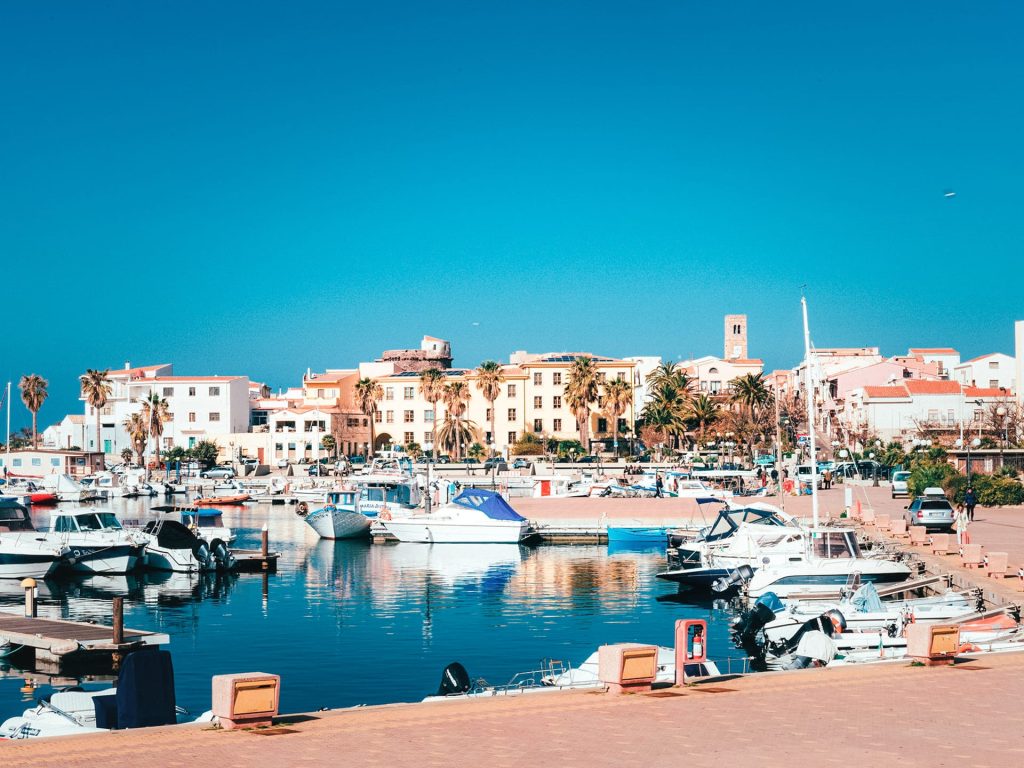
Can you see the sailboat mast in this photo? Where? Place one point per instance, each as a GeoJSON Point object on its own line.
{"type": "Point", "coordinates": [7, 438]}
{"type": "Point", "coordinates": [810, 413]}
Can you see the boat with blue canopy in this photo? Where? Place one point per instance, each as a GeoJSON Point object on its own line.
{"type": "Point", "coordinates": [475, 516]}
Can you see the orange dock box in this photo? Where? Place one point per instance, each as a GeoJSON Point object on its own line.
{"type": "Point", "coordinates": [246, 700]}
{"type": "Point", "coordinates": [627, 667]}
{"type": "Point", "coordinates": [933, 644]}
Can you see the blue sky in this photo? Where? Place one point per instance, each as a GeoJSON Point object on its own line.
{"type": "Point", "coordinates": [255, 188]}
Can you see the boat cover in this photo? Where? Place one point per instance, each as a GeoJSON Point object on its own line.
{"type": "Point", "coordinates": [490, 503]}
{"type": "Point", "coordinates": [817, 645]}
{"type": "Point", "coordinates": [771, 601]}
{"type": "Point", "coordinates": [866, 599]}
{"type": "Point", "coordinates": [172, 534]}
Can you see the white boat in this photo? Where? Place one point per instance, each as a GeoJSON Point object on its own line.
{"type": "Point", "coordinates": [171, 546]}
{"type": "Point", "coordinates": [338, 517]}
{"type": "Point", "coordinates": [66, 488]}
{"type": "Point", "coordinates": [96, 542]}
{"type": "Point", "coordinates": [475, 516]}
{"type": "Point", "coordinates": [397, 492]}
{"type": "Point", "coordinates": [24, 552]}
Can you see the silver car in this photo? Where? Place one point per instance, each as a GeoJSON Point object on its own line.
{"type": "Point", "coordinates": [932, 511]}
{"type": "Point", "coordinates": [899, 484]}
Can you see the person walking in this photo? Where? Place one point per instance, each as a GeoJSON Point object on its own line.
{"type": "Point", "coordinates": [658, 485]}
{"type": "Point", "coordinates": [962, 519]}
{"type": "Point", "coordinates": [970, 502]}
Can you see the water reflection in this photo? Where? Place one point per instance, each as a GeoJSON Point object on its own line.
{"type": "Point", "coordinates": [352, 622]}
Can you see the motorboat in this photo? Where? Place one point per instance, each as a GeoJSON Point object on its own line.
{"type": "Point", "coordinates": [172, 546]}
{"type": "Point", "coordinates": [238, 498]}
{"type": "Point", "coordinates": [37, 496]}
{"type": "Point", "coordinates": [66, 488]}
{"type": "Point", "coordinates": [143, 697]}
{"type": "Point", "coordinates": [475, 516]}
{"type": "Point", "coordinates": [637, 534]}
{"type": "Point", "coordinates": [338, 517]}
{"type": "Point", "coordinates": [732, 525]}
{"type": "Point", "coordinates": [207, 523]}
{"type": "Point", "coordinates": [96, 542]}
{"type": "Point", "coordinates": [397, 493]}
{"type": "Point", "coordinates": [24, 552]}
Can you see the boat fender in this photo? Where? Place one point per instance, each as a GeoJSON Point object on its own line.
{"type": "Point", "coordinates": [302, 510]}
{"type": "Point", "coordinates": [385, 514]}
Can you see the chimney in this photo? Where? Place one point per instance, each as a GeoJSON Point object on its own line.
{"type": "Point", "coordinates": [127, 364]}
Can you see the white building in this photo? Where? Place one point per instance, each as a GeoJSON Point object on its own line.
{"type": "Point", "coordinates": [69, 433]}
{"type": "Point", "coordinates": [200, 407]}
{"type": "Point", "coordinates": [1018, 332]}
{"type": "Point", "coordinates": [946, 357]}
{"type": "Point", "coordinates": [993, 370]}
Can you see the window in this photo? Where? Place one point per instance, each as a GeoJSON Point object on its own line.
{"type": "Point", "coordinates": [214, 391]}
{"type": "Point", "coordinates": [378, 417]}
{"type": "Point", "coordinates": [511, 390]}
{"type": "Point", "coordinates": [993, 383]}
{"type": "Point", "coordinates": [192, 417]}
{"type": "Point", "coordinates": [602, 376]}
{"type": "Point", "coordinates": [390, 417]}
{"type": "Point", "coordinates": [351, 421]}
{"type": "Point", "coordinates": [407, 417]}
{"type": "Point", "coordinates": [620, 375]}
{"type": "Point", "coordinates": [993, 365]}
{"type": "Point", "coordinates": [37, 462]}
{"type": "Point", "coordinates": [168, 391]}
{"type": "Point", "coordinates": [214, 416]}
{"type": "Point", "coordinates": [556, 401]}
{"type": "Point", "coordinates": [427, 438]}
{"type": "Point", "coordinates": [602, 425]}
{"type": "Point", "coordinates": [933, 414]}
{"type": "Point", "coordinates": [979, 414]}
{"type": "Point", "coordinates": [737, 329]}
{"type": "Point", "coordinates": [712, 370]}
{"type": "Point", "coordinates": [191, 391]}
{"type": "Point", "coordinates": [410, 438]}
{"type": "Point", "coordinates": [170, 416]}
{"type": "Point", "coordinates": [538, 402]}
{"type": "Point", "coordinates": [538, 378]}
{"type": "Point", "coordinates": [409, 392]}
{"type": "Point", "coordinates": [622, 425]}
{"type": "Point", "coordinates": [278, 447]}
{"type": "Point", "coordinates": [714, 387]}
{"type": "Point", "coordinates": [511, 414]}
{"type": "Point", "coordinates": [428, 416]}
{"type": "Point", "coordinates": [950, 418]}
{"type": "Point", "coordinates": [538, 425]}
{"type": "Point", "coordinates": [488, 416]}
{"type": "Point", "coordinates": [556, 425]}
{"type": "Point", "coordinates": [556, 378]}
{"type": "Point", "coordinates": [389, 393]}
{"type": "Point", "coordinates": [511, 437]}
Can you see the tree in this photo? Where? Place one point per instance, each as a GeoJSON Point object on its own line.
{"type": "Point", "coordinates": [456, 398]}
{"type": "Point", "coordinates": [432, 389]}
{"type": "Point", "coordinates": [581, 392]}
{"type": "Point", "coordinates": [667, 409]}
{"type": "Point", "coordinates": [414, 450]}
{"type": "Point", "coordinates": [33, 395]}
{"type": "Point", "coordinates": [126, 455]}
{"type": "Point", "coordinates": [135, 426]}
{"type": "Point", "coordinates": [155, 412]}
{"type": "Point", "coordinates": [751, 392]}
{"type": "Point", "coordinates": [529, 444]}
{"type": "Point", "coordinates": [703, 411]}
{"type": "Point", "coordinates": [330, 445]}
{"type": "Point", "coordinates": [618, 395]}
{"type": "Point", "coordinates": [368, 392]}
{"type": "Point", "coordinates": [669, 374]}
{"type": "Point", "coordinates": [489, 378]}
{"type": "Point", "coordinates": [205, 452]}
{"type": "Point", "coordinates": [456, 432]}
{"type": "Point", "coordinates": [476, 451]}
{"type": "Point", "coordinates": [96, 390]}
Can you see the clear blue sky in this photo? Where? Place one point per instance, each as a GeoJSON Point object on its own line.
{"type": "Point", "coordinates": [254, 188]}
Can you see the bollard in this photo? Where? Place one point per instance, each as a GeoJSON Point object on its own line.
{"type": "Point", "coordinates": [31, 609]}
{"type": "Point", "coordinates": [118, 620]}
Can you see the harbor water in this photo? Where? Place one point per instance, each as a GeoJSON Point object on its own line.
{"type": "Point", "coordinates": [350, 622]}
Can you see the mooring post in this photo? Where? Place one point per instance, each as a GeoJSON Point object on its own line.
{"type": "Point", "coordinates": [118, 620]}
{"type": "Point", "coordinates": [264, 545]}
{"type": "Point", "coordinates": [31, 610]}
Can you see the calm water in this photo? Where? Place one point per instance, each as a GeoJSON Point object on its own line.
{"type": "Point", "coordinates": [348, 623]}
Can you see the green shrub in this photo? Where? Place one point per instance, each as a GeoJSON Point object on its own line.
{"type": "Point", "coordinates": [991, 490]}
{"type": "Point", "coordinates": [926, 474]}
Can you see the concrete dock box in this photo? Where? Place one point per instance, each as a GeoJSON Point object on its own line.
{"type": "Point", "coordinates": [996, 564]}
{"type": "Point", "coordinates": [943, 543]}
{"type": "Point", "coordinates": [918, 535]}
{"type": "Point", "coordinates": [972, 555]}
{"type": "Point", "coordinates": [627, 666]}
{"type": "Point", "coordinates": [246, 700]}
{"type": "Point", "coordinates": [933, 644]}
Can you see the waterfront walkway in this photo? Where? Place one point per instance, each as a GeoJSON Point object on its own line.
{"type": "Point", "coordinates": [965, 716]}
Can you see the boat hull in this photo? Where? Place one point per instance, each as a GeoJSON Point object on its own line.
{"type": "Point", "coordinates": [120, 558]}
{"type": "Point", "coordinates": [444, 532]}
{"type": "Point", "coordinates": [338, 523]}
{"type": "Point", "coordinates": [28, 565]}
{"type": "Point", "coordinates": [637, 535]}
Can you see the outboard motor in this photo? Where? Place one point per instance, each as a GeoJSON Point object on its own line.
{"type": "Point", "coordinates": [741, 575]}
{"type": "Point", "coordinates": [222, 555]}
{"type": "Point", "coordinates": [454, 680]}
{"type": "Point", "coordinates": [747, 626]}
{"type": "Point", "coordinates": [201, 552]}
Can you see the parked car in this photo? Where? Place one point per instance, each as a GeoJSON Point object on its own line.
{"type": "Point", "coordinates": [218, 473]}
{"type": "Point", "coordinates": [357, 460]}
{"type": "Point", "coordinates": [587, 460]}
{"type": "Point", "coordinates": [469, 460]}
{"type": "Point", "coordinates": [899, 484]}
{"type": "Point", "coordinates": [282, 463]}
{"type": "Point", "coordinates": [250, 462]}
{"type": "Point", "coordinates": [931, 509]}
{"type": "Point", "coordinates": [318, 470]}
{"type": "Point", "coordinates": [495, 465]}
{"type": "Point", "coordinates": [521, 464]}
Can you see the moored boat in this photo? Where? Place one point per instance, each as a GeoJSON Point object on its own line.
{"type": "Point", "coordinates": [475, 516]}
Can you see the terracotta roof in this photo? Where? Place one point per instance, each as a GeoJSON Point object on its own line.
{"type": "Point", "coordinates": [744, 361]}
{"type": "Point", "coordinates": [120, 373]}
{"type": "Point", "coordinates": [195, 378]}
{"type": "Point", "coordinates": [922, 387]}
{"type": "Point", "coordinates": [934, 350]}
{"type": "Point", "coordinates": [885, 392]}
{"type": "Point", "coordinates": [986, 392]}
{"type": "Point", "coordinates": [978, 359]}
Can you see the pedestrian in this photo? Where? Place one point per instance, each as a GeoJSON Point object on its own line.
{"type": "Point", "coordinates": [960, 522]}
{"type": "Point", "coordinates": [827, 478]}
{"type": "Point", "coordinates": [970, 501]}
{"type": "Point", "coordinates": [658, 485]}
{"type": "Point", "coordinates": [775, 475]}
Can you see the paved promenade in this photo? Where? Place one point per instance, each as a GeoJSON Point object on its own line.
{"type": "Point", "coordinates": [965, 716]}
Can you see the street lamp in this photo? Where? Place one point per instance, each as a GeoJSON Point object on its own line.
{"type": "Point", "coordinates": [878, 446]}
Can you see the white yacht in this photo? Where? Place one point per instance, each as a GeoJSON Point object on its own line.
{"type": "Point", "coordinates": [475, 516]}
{"type": "Point", "coordinates": [96, 541]}
{"type": "Point", "coordinates": [338, 517]}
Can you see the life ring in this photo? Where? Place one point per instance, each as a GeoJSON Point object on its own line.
{"type": "Point", "coordinates": [302, 509]}
{"type": "Point", "coordinates": [385, 514]}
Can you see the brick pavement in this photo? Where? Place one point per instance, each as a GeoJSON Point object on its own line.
{"type": "Point", "coordinates": [965, 716]}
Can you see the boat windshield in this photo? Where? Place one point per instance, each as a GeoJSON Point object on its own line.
{"type": "Point", "coordinates": [834, 544]}
{"type": "Point", "coordinates": [98, 521]}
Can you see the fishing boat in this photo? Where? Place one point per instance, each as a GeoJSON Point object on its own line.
{"type": "Point", "coordinates": [475, 516]}
{"type": "Point", "coordinates": [96, 542]}
{"type": "Point", "coordinates": [338, 517]}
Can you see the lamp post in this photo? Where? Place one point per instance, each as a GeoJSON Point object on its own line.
{"type": "Point", "coordinates": [1001, 413]}
{"type": "Point", "coordinates": [878, 445]}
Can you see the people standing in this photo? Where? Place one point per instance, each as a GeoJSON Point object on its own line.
{"type": "Point", "coordinates": [970, 501]}
{"type": "Point", "coordinates": [658, 485]}
{"type": "Point", "coordinates": [961, 520]}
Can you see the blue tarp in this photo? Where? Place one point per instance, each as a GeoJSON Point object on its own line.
{"type": "Point", "coordinates": [489, 502]}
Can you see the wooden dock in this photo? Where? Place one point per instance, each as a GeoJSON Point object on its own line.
{"type": "Point", "coordinates": [54, 644]}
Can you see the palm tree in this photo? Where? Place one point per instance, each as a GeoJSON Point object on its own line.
{"type": "Point", "coordinates": [96, 390]}
{"type": "Point", "coordinates": [669, 374]}
{"type": "Point", "coordinates": [704, 411]}
{"type": "Point", "coordinates": [432, 389]}
{"type": "Point", "coordinates": [33, 395]}
{"type": "Point", "coordinates": [330, 445]}
{"type": "Point", "coordinates": [580, 392]}
{"type": "Point", "coordinates": [137, 429]}
{"type": "Point", "coordinates": [456, 398]}
{"type": "Point", "coordinates": [489, 379]}
{"type": "Point", "coordinates": [456, 432]}
{"type": "Point", "coordinates": [750, 391]}
{"type": "Point", "coordinates": [667, 408]}
{"type": "Point", "coordinates": [368, 392]}
{"type": "Point", "coordinates": [155, 412]}
{"type": "Point", "coordinates": [618, 395]}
